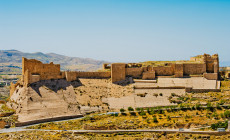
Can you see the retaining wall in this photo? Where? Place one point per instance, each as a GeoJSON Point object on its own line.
{"type": "Point", "coordinates": [47, 120]}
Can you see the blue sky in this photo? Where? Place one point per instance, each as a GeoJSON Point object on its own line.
{"type": "Point", "coordinates": [117, 30]}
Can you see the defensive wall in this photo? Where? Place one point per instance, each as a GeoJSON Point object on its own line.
{"type": "Point", "coordinates": [205, 65]}
{"type": "Point", "coordinates": [34, 70]}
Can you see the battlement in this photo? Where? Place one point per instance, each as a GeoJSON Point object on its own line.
{"type": "Point", "coordinates": [202, 65]}
{"type": "Point", "coordinates": [205, 65]}
{"type": "Point", "coordinates": [34, 70]}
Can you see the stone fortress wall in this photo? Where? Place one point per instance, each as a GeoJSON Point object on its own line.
{"type": "Point", "coordinates": [34, 70]}
{"type": "Point", "coordinates": [203, 65]}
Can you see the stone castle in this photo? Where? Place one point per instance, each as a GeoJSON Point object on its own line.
{"type": "Point", "coordinates": [45, 91]}
{"type": "Point", "coordinates": [202, 65]}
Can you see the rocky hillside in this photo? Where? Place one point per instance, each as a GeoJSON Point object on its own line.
{"type": "Point", "coordinates": [45, 99]}
{"type": "Point", "coordinates": [10, 61]}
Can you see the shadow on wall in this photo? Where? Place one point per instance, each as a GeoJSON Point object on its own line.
{"type": "Point", "coordinates": [127, 81]}
{"type": "Point", "coordinates": [54, 85]}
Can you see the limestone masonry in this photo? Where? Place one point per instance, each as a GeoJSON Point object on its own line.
{"type": "Point", "coordinates": [203, 65]}
{"type": "Point", "coordinates": [45, 91]}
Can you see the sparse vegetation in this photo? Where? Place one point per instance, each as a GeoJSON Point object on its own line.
{"type": "Point", "coordinates": [219, 125]}
{"type": "Point", "coordinates": [130, 109]}
{"type": "Point", "coordinates": [122, 110]}
{"type": "Point", "coordinates": [120, 135]}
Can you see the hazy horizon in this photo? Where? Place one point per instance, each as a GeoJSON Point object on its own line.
{"type": "Point", "coordinates": [222, 63]}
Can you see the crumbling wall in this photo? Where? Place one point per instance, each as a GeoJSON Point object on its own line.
{"type": "Point", "coordinates": [118, 72]}
{"type": "Point", "coordinates": [93, 74]}
{"type": "Point", "coordinates": [212, 63]}
{"type": "Point", "coordinates": [148, 75]}
{"type": "Point", "coordinates": [35, 67]}
{"type": "Point", "coordinates": [194, 69]}
{"type": "Point", "coordinates": [179, 70]}
{"type": "Point", "coordinates": [162, 70]}
{"type": "Point", "coordinates": [134, 72]}
{"type": "Point", "coordinates": [70, 76]}
{"type": "Point", "coordinates": [211, 76]}
{"type": "Point", "coordinates": [198, 58]}
{"type": "Point", "coordinates": [34, 70]}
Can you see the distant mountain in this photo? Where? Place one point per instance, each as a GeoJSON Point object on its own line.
{"type": "Point", "coordinates": [10, 61]}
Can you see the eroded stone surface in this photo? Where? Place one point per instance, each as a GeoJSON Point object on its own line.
{"type": "Point", "coordinates": [45, 99]}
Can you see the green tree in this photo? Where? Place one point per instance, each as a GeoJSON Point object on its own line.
{"type": "Point", "coordinates": [155, 120]}
{"type": "Point", "coordinates": [138, 109]}
{"type": "Point", "coordinates": [222, 102]}
{"type": "Point", "coordinates": [210, 107]}
{"type": "Point", "coordinates": [219, 125]}
{"type": "Point", "coordinates": [218, 106]}
{"type": "Point", "coordinates": [142, 113]}
{"type": "Point", "coordinates": [198, 106]}
{"type": "Point", "coordinates": [130, 109]}
{"type": "Point", "coordinates": [227, 114]}
{"type": "Point", "coordinates": [122, 110]}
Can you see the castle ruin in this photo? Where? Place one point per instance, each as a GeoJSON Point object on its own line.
{"type": "Point", "coordinates": [44, 89]}
{"type": "Point", "coordinates": [201, 65]}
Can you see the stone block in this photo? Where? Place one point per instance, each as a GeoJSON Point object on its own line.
{"type": "Point", "coordinates": [149, 75]}
{"type": "Point", "coordinates": [179, 70]}
{"type": "Point", "coordinates": [211, 76]}
{"type": "Point", "coordinates": [179, 74]}
{"type": "Point", "coordinates": [118, 72]}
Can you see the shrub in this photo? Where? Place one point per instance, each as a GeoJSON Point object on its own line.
{"type": "Point", "coordinates": [219, 125]}
{"type": "Point", "coordinates": [148, 110]}
{"type": "Point", "coordinates": [161, 94]}
{"type": "Point", "coordinates": [227, 114]}
{"type": "Point", "coordinates": [155, 94]}
{"type": "Point", "coordinates": [210, 107]}
{"type": "Point", "coordinates": [152, 112]}
{"type": "Point", "coordinates": [161, 111]}
{"type": "Point", "coordinates": [116, 114]}
{"type": "Point", "coordinates": [198, 106]}
{"type": "Point", "coordinates": [193, 99]}
{"type": "Point", "coordinates": [130, 109]}
{"type": "Point", "coordinates": [133, 113]}
{"type": "Point", "coordinates": [173, 94]}
{"type": "Point", "coordinates": [215, 115]}
{"type": "Point", "coordinates": [142, 113]}
{"type": "Point", "coordinates": [138, 109]}
{"type": "Point", "coordinates": [155, 120]}
{"type": "Point", "coordinates": [148, 121]}
{"type": "Point", "coordinates": [168, 118]}
{"type": "Point", "coordinates": [218, 106]}
{"type": "Point", "coordinates": [182, 107]}
{"type": "Point", "coordinates": [222, 102]}
{"type": "Point", "coordinates": [222, 115]}
{"type": "Point", "coordinates": [122, 110]}
{"type": "Point", "coordinates": [141, 109]}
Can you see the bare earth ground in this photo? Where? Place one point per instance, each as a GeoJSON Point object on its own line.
{"type": "Point", "coordinates": [95, 92]}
